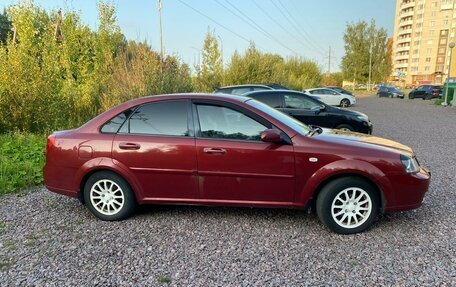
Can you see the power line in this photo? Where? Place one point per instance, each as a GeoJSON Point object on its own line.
{"type": "Point", "coordinates": [254, 25]}
{"type": "Point", "coordinates": [307, 35]}
{"type": "Point", "coordinates": [219, 24]}
{"type": "Point", "coordinates": [294, 26]}
{"type": "Point", "coordinates": [280, 25]}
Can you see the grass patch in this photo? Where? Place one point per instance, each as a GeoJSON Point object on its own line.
{"type": "Point", "coordinates": [10, 244]}
{"type": "Point", "coordinates": [5, 263]}
{"type": "Point", "coordinates": [21, 161]}
{"type": "Point", "coordinates": [164, 279]}
{"type": "Point", "coordinates": [2, 226]}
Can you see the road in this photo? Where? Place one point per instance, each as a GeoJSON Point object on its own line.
{"type": "Point", "coordinates": [52, 240]}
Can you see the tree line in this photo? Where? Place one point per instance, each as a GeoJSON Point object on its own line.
{"type": "Point", "coordinates": [57, 73]}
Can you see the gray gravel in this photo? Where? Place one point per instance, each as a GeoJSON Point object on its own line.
{"type": "Point", "coordinates": [51, 240]}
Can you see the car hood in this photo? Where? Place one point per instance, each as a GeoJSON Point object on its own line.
{"type": "Point", "coordinates": [346, 112]}
{"type": "Point", "coordinates": [364, 140]}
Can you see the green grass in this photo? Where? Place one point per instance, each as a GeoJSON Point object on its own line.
{"type": "Point", "coordinates": [21, 161]}
{"type": "Point", "coordinates": [164, 279]}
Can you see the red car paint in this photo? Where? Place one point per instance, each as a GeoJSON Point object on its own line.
{"type": "Point", "coordinates": [191, 170]}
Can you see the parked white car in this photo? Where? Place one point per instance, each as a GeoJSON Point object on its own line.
{"type": "Point", "coordinates": [331, 97]}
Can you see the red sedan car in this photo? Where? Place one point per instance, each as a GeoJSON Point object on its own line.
{"type": "Point", "coordinates": [230, 150]}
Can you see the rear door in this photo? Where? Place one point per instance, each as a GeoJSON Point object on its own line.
{"type": "Point", "coordinates": [158, 146]}
{"type": "Point", "coordinates": [234, 165]}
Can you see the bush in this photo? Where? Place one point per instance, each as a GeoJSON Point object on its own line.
{"type": "Point", "coordinates": [21, 161]}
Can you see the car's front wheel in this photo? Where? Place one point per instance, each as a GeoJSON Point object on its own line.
{"type": "Point", "coordinates": [348, 205]}
{"type": "Point", "coordinates": [345, 103]}
{"type": "Point", "coordinates": [345, 127]}
{"type": "Point", "coordinates": [108, 196]}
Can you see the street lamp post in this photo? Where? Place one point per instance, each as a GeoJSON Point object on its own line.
{"type": "Point", "coordinates": [451, 45]}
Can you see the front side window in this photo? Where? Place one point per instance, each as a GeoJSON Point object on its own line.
{"type": "Point", "coordinates": [299, 102]}
{"type": "Point", "coordinates": [224, 123]}
{"type": "Point", "coordinates": [161, 118]}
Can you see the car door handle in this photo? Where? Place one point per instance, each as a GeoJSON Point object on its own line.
{"type": "Point", "coordinates": [129, 146]}
{"type": "Point", "coordinates": [211, 150]}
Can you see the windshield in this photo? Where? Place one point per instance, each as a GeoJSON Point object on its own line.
{"type": "Point", "coordinates": [287, 120]}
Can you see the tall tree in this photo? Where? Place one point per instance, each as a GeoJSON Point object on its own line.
{"type": "Point", "coordinates": [362, 39]}
{"type": "Point", "coordinates": [210, 72]}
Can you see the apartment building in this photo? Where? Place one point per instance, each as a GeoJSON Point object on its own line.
{"type": "Point", "coordinates": [422, 32]}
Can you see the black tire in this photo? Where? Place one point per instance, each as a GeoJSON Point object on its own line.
{"type": "Point", "coordinates": [336, 188]}
{"type": "Point", "coordinates": [411, 97]}
{"type": "Point", "coordinates": [345, 103]}
{"type": "Point", "coordinates": [345, 127]}
{"type": "Point", "coordinates": [127, 204]}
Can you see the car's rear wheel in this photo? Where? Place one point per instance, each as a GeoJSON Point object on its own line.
{"type": "Point", "coordinates": [345, 127]}
{"type": "Point", "coordinates": [348, 205]}
{"type": "Point", "coordinates": [411, 97]}
{"type": "Point", "coordinates": [345, 103]}
{"type": "Point", "coordinates": [108, 196]}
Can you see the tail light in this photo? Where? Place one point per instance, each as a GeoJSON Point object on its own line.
{"type": "Point", "coordinates": [50, 143]}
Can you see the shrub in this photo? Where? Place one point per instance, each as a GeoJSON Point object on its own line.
{"type": "Point", "coordinates": [21, 161]}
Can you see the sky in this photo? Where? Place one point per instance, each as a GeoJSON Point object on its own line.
{"type": "Point", "coordinates": [304, 28]}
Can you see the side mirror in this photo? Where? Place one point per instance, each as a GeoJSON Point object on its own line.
{"type": "Point", "coordinates": [322, 107]}
{"type": "Point", "coordinates": [271, 136]}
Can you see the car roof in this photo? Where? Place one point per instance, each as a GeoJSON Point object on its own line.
{"type": "Point", "coordinates": [242, 86]}
{"type": "Point", "coordinates": [103, 117]}
{"type": "Point", "coordinates": [271, 92]}
{"type": "Point", "coordinates": [272, 86]}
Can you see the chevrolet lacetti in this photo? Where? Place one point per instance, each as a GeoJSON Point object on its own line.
{"type": "Point", "coordinates": [230, 150]}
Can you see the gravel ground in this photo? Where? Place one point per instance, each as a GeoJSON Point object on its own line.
{"type": "Point", "coordinates": [51, 240]}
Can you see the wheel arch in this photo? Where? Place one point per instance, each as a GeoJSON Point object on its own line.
{"type": "Point", "coordinates": [106, 164]}
{"type": "Point", "coordinates": [346, 168]}
{"type": "Point", "coordinates": [378, 189]}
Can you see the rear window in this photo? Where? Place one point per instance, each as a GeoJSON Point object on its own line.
{"type": "Point", "coordinates": [272, 100]}
{"type": "Point", "coordinates": [162, 118]}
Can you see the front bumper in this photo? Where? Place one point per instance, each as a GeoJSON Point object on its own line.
{"type": "Point", "coordinates": [408, 190]}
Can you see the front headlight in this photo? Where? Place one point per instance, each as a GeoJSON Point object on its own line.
{"type": "Point", "coordinates": [411, 165]}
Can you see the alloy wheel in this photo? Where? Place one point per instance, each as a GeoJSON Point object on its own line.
{"type": "Point", "coordinates": [107, 197]}
{"type": "Point", "coordinates": [351, 207]}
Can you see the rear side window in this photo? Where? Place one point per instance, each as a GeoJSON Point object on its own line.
{"type": "Point", "coordinates": [241, 91]}
{"type": "Point", "coordinates": [162, 118]}
{"type": "Point", "coordinates": [116, 122]}
{"type": "Point", "coordinates": [272, 100]}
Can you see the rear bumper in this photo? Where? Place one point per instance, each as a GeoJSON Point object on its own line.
{"type": "Point", "coordinates": [66, 192]}
{"type": "Point", "coordinates": [408, 191]}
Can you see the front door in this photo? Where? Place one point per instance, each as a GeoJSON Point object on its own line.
{"type": "Point", "coordinates": [158, 147]}
{"type": "Point", "coordinates": [303, 109]}
{"type": "Point", "coordinates": [234, 165]}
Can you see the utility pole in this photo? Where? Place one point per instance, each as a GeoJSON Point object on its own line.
{"type": "Point", "coordinates": [162, 53]}
{"type": "Point", "coordinates": [329, 62]}
{"type": "Point", "coordinates": [370, 67]}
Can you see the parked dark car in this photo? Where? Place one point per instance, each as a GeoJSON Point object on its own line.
{"type": "Point", "coordinates": [340, 90]}
{"type": "Point", "coordinates": [311, 111]}
{"type": "Point", "coordinates": [230, 150]}
{"type": "Point", "coordinates": [426, 92]}
{"type": "Point", "coordinates": [242, 89]}
{"type": "Point", "coordinates": [390, 92]}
